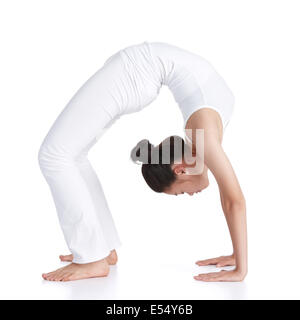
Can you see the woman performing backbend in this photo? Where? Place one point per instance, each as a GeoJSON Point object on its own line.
{"type": "Point", "coordinates": [127, 82]}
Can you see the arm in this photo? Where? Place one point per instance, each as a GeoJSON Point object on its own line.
{"type": "Point", "coordinates": [234, 207]}
{"type": "Point", "coordinates": [232, 198]}
{"type": "Point", "coordinates": [235, 214]}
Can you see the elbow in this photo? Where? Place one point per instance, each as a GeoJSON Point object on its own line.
{"type": "Point", "coordinates": [237, 205]}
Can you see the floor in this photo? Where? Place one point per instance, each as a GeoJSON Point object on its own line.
{"type": "Point", "coordinates": [147, 278]}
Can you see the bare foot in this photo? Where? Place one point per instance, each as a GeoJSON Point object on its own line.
{"type": "Point", "coordinates": [111, 259]}
{"type": "Point", "coordinates": [75, 271]}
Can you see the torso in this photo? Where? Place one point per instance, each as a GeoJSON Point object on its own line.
{"type": "Point", "coordinates": [193, 81]}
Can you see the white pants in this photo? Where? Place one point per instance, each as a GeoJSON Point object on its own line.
{"type": "Point", "coordinates": [84, 216]}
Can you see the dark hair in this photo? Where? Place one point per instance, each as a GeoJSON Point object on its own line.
{"type": "Point", "coordinates": [157, 161]}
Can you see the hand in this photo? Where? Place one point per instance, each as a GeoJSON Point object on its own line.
{"type": "Point", "coordinates": [223, 275]}
{"type": "Point", "coordinates": [222, 261]}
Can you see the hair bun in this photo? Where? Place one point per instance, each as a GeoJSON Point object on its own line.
{"type": "Point", "coordinates": [141, 153]}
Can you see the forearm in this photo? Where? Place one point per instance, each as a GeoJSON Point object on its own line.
{"type": "Point", "coordinates": [235, 215]}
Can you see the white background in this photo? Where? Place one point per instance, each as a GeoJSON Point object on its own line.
{"type": "Point", "coordinates": [50, 48]}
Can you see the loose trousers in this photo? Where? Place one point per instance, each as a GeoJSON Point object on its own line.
{"type": "Point", "coordinates": [82, 209]}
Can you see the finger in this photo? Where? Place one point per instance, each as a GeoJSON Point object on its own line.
{"type": "Point", "coordinates": [219, 265]}
{"type": "Point", "coordinates": [203, 276]}
{"type": "Point", "coordinates": [198, 278]}
{"type": "Point", "coordinates": [224, 264]}
{"type": "Point", "coordinates": [211, 278]}
{"type": "Point", "coordinates": [207, 262]}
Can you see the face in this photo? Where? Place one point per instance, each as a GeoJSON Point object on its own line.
{"type": "Point", "coordinates": [189, 184]}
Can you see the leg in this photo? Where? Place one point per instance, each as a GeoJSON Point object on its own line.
{"type": "Point", "coordinates": [80, 203]}
{"type": "Point", "coordinates": [100, 202]}
{"type": "Point", "coordinates": [112, 259]}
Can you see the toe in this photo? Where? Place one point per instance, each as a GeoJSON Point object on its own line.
{"type": "Point", "coordinates": [54, 277]}
{"type": "Point", "coordinates": [59, 275]}
{"type": "Point", "coordinates": [51, 275]}
{"type": "Point", "coordinates": [46, 276]}
{"type": "Point", "coordinates": [66, 277]}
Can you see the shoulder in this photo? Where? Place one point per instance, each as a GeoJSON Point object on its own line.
{"type": "Point", "coordinates": [209, 120]}
{"type": "Point", "coordinates": [215, 157]}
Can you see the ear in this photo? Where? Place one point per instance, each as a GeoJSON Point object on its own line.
{"type": "Point", "coordinates": [179, 169]}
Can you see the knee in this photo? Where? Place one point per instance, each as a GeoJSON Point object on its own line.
{"type": "Point", "coordinates": [54, 157]}
{"type": "Point", "coordinates": [44, 157]}
{"type": "Point", "coordinates": [50, 156]}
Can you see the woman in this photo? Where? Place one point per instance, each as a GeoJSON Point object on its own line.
{"type": "Point", "coordinates": [128, 81]}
